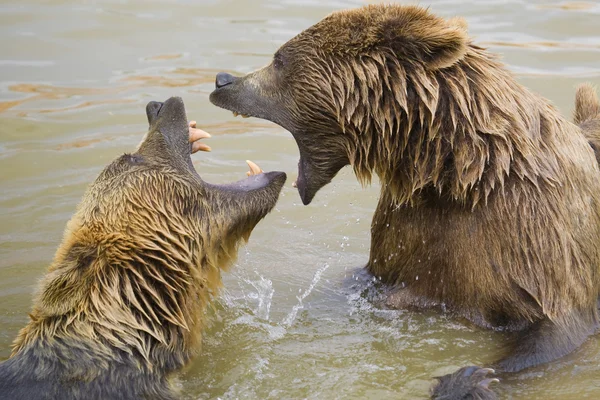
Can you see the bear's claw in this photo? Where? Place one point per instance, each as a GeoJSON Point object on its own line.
{"type": "Point", "coordinates": [466, 383]}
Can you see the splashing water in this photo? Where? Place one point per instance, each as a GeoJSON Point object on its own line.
{"type": "Point", "coordinates": [264, 295]}
{"type": "Point", "coordinates": [287, 322]}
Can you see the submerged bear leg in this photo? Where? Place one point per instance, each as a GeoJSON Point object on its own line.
{"type": "Point", "coordinates": [543, 342]}
{"type": "Point", "coordinates": [549, 340]}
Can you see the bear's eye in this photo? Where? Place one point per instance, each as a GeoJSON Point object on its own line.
{"type": "Point", "coordinates": [278, 61]}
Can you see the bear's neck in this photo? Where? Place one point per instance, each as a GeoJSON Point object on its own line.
{"type": "Point", "coordinates": [72, 368]}
{"type": "Point", "coordinates": [462, 132]}
{"type": "Point", "coordinates": [79, 342]}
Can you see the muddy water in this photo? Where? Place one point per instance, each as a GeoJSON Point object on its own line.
{"type": "Point", "coordinates": [293, 321]}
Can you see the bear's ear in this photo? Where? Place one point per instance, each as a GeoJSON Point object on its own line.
{"type": "Point", "coordinates": [436, 42]}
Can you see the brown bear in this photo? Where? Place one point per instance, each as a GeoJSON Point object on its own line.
{"type": "Point", "coordinates": [490, 199]}
{"type": "Point", "coordinates": [123, 303]}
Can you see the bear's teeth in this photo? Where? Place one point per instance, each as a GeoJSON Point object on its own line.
{"type": "Point", "coordinates": [254, 169]}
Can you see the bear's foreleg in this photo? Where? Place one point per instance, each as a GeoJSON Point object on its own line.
{"type": "Point", "coordinates": [548, 340]}
{"type": "Point", "coordinates": [543, 342]}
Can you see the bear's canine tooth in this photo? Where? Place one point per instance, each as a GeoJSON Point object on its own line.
{"type": "Point", "coordinates": [254, 169]}
{"type": "Point", "coordinates": [486, 382]}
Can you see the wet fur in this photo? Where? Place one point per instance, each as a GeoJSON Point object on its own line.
{"type": "Point", "coordinates": [123, 304]}
{"type": "Point", "coordinates": [490, 199]}
{"type": "Point", "coordinates": [485, 187]}
{"type": "Point", "coordinates": [587, 115]}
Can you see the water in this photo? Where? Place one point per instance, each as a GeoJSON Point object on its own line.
{"type": "Point", "coordinates": [294, 320]}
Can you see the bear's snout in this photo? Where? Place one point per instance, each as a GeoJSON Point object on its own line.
{"type": "Point", "coordinates": [224, 79]}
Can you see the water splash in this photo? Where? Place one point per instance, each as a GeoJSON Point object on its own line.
{"type": "Point", "coordinates": [287, 322]}
{"type": "Point", "coordinates": [264, 296]}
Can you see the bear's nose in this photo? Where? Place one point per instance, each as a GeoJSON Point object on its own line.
{"type": "Point", "coordinates": [224, 79]}
{"type": "Point", "coordinates": [152, 110]}
{"type": "Point", "coordinates": [154, 107]}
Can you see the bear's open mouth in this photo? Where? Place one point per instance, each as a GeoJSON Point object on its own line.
{"type": "Point", "coordinates": [305, 178]}
{"type": "Point", "coordinates": [245, 97]}
{"type": "Point", "coordinates": [174, 129]}
{"type": "Point", "coordinates": [300, 162]}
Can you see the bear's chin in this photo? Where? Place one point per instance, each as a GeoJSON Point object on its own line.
{"type": "Point", "coordinates": [302, 184]}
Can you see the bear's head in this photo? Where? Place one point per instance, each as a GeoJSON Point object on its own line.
{"type": "Point", "coordinates": [142, 256]}
{"type": "Point", "coordinates": [343, 83]}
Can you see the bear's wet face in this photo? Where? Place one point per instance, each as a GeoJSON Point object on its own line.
{"type": "Point", "coordinates": [163, 157]}
{"type": "Point", "coordinates": [280, 93]}
{"type": "Point", "coordinates": [334, 85]}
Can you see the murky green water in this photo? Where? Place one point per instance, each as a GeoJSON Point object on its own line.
{"type": "Point", "coordinates": [293, 322]}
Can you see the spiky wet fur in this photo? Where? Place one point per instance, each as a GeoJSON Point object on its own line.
{"type": "Point", "coordinates": [490, 199]}
{"type": "Point", "coordinates": [123, 303]}
{"type": "Point", "coordinates": [587, 115]}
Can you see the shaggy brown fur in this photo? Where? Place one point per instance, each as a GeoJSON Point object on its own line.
{"type": "Point", "coordinates": [122, 305]}
{"type": "Point", "coordinates": [489, 201]}
{"type": "Point", "coordinates": [587, 115]}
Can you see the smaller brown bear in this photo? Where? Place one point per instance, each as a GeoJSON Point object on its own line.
{"type": "Point", "coordinates": [123, 303]}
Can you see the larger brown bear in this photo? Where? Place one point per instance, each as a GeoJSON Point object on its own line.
{"type": "Point", "coordinates": [490, 200]}
{"type": "Point", "coordinates": [122, 306]}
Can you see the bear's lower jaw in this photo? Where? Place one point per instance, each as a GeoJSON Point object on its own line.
{"type": "Point", "coordinates": [311, 177]}
{"type": "Point", "coordinates": [304, 183]}
{"type": "Point", "coordinates": [253, 182]}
